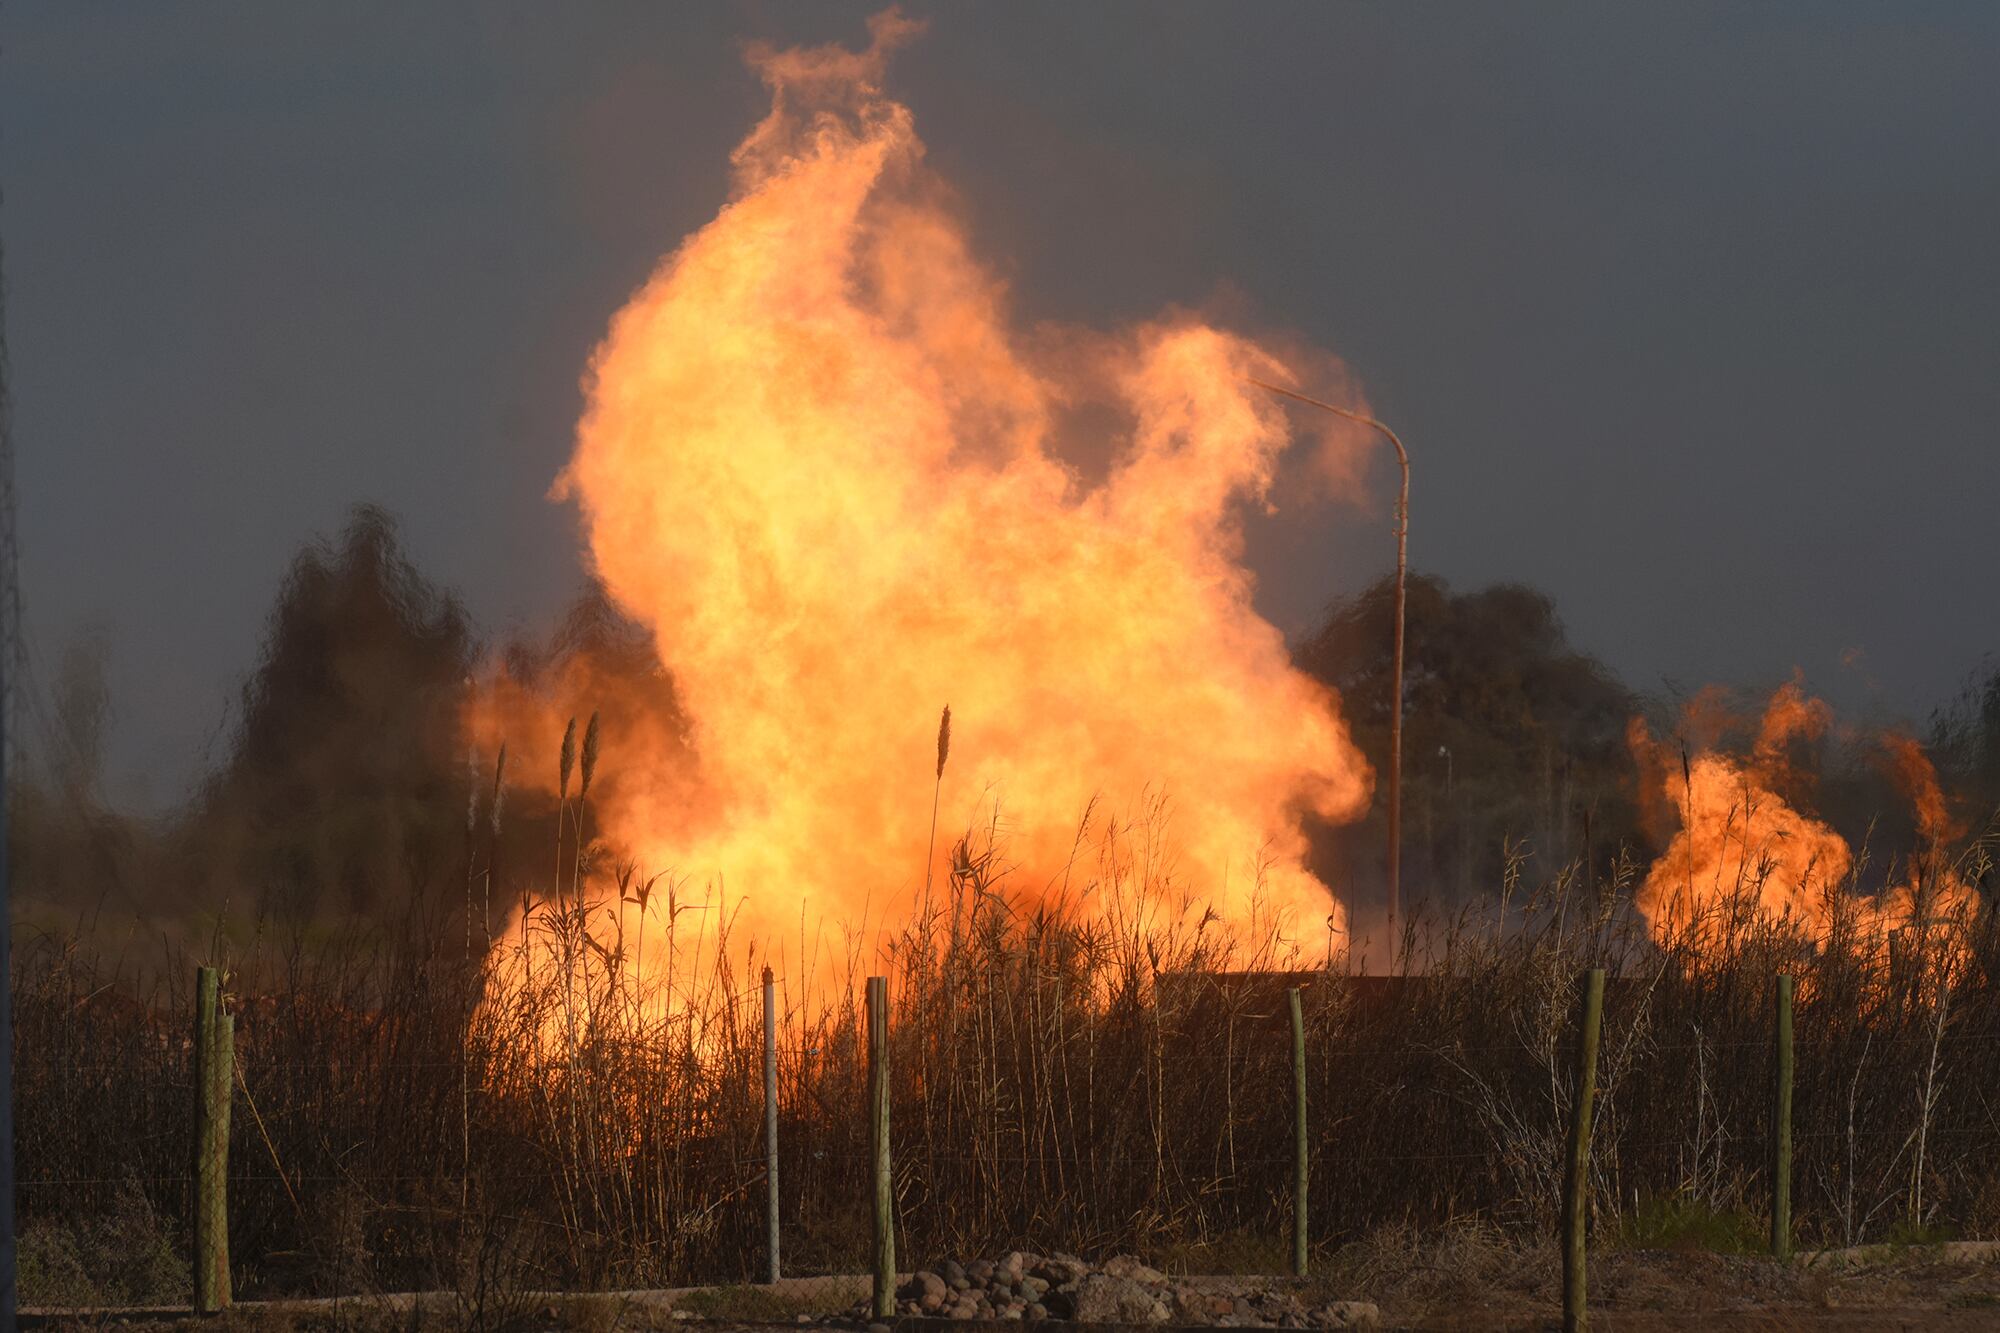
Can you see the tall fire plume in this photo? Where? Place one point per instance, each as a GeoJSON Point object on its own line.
{"type": "Point", "coordinates": [821, 468]}
{"type": "Point", "coordinates": [1746, 858]}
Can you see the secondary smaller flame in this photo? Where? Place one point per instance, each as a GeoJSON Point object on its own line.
{"type": "Point", "coordinates": [1745, 856]}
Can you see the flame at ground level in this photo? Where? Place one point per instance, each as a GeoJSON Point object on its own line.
{"type": "Point", "coordinates": [820, 466]}
{"type": "Point", "coordinates": [1746, 859]}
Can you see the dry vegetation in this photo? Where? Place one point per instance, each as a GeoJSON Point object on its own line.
{"type": "Point", "coordinates": [1061, 1080]}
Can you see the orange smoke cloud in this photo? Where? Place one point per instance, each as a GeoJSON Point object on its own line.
{"type": "Point", "coordinates": [1746, 856]}
{"type": "Point", "coordinates": [816, 464]}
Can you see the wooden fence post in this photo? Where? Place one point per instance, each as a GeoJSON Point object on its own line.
{"type": "Point", "coordinates": [878, 1119]}
{"type": "Point", "coordinates": [771, 1123]}
{"type": "Point", "coordinates": [214, 1073]}
{"type": "Point", "coordinates": [1576, 1176]}
{"type": "Point", "coordinates": [1299, 1163]}
{"type": "Point", "coordinates": [1781, 1126]}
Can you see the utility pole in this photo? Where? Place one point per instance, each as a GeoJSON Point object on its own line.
{"type": "Point", "coordinates": [1396, 668]}
{"type": "Point", "coordinates": [10, 629]}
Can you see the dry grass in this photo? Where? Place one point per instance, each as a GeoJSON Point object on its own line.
{"type": "Point", "coordinates": [1063, 1079]}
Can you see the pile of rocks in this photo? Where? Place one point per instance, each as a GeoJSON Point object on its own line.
{"type": "Point", "coordinates": [1123, 1290]}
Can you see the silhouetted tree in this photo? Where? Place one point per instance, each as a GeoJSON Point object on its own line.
{"type": "Point", "coordinates": [345, 787]}
{"type": "Point", "coordinates": [1509, 734]}
{"type": "Point", "coordinates": [1965, 738]}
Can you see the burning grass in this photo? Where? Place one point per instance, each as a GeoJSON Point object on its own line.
{"type": "Point", "coordinates": [1110, 1081]}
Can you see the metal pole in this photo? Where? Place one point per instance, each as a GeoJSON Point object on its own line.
{"type": "Point", "coordinates": [7, 1287]}
{"type": "Point", "coordinates": [10, 629]}
{"type": "Point", "coordinates": [878, 1116]}
{"type": "Point", "coordinates": [771, 1123]}
{"type": "Point", "coordinates": [1781, 1127]}
{"type": "Point", "coordinates": [1299, 1164]}
{"type": "Point", "coordinates": [1395, 896]}
{"type": "Point", "coordinates": [1576, 1181]}
{"type": "Point", "coordinates": [1396, 704]}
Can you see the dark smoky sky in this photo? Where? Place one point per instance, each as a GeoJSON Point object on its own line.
{"type": "Point", "coordinates": [1690, 313]}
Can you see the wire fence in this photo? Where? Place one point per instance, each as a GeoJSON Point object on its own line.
{"type": "Point", "coordinates": [1020, 1165]}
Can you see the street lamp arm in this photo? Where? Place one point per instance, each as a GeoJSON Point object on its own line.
{"type": "Point", "coordinates": [1402, 454]}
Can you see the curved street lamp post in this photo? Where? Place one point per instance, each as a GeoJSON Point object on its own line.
{"type": "Point", "coordinates": [1396, 669]}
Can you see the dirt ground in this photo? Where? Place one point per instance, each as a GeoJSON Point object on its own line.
{"type": "Point", "coordinates": [1463, 1283]}
{"type": "Point", "coordinates": [1645, 1290]}
{"type": "Point", "coordinates": [1474, 1281]}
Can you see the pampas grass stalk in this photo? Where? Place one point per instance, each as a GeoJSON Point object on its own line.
{"type": "Point", "coordinates": [493, 838]}
{"type": "Point", "coordinates": [587, 769]}
{"type": "Point", "coordinates": [943, 753]}
{"type": "Point", "coordinates": [564, 763]}
{"type": "Point", "coordinates": [589, 758]}
{"type": "Point", "coordinates": [465, 1052]}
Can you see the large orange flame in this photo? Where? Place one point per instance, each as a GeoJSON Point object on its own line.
{"type": "Point", "coordinates": [1746, 857]}
{"type": "Point", "coordinates": [818, 464]}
